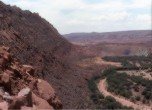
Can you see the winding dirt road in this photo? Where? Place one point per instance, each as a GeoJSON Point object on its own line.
{"type": "Point", "coordinates": [102, 86]}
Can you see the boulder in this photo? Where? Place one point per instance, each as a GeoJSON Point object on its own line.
{"type": "Point", "coordinates": [46, 92]}
{"type": "Point", "coordinates": [4, 105]}
{"type": "Point", "coordinates": [18, 85]}
{"type": "Point", "coordinates": [7, 56]}
{"type": "Point", "coordinates": [26, 95]}
{"type": "Point", "coordinates": [40, 103]}
{"type": "Point", "coordinates": [24, 98]}
{"type": "Point", "coordinates": [5, 81]}
{"type": "Point", "coordinates": [28, 69]}
{"type": "Point", "coordinates": [5, 48]}
{"type": "Point", "coordinates": [6, 96]}
{"type": "Point", "coordinates": [4, 54]}
{"type": "Point", "coordinates": [2, 91]}
{"type": "Point", "coordinates": [5, 78]}
{"type": "Point", "coordinates": [24, 92]}
{"type": "Point", "coordinates": [27, 108]}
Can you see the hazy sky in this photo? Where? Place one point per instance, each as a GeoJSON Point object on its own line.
{"type": "Point", "coordinates": [91, 15]}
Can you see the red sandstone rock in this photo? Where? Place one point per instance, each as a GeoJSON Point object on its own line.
{"type": "Point", "coordinates": [27, 108]}
{"type": "Point", "coordinates": [18, 80]}
{"type": "Point", "coordinates": [5, 78]}
{"type": "Point", "coordinates": [47, 92]}
{"type": "Point", "coordinates": [28, 69]}
{"type": "Point", "coordinates": [4, 105]}
{"type": "Point", "coordinates": [41, 103]}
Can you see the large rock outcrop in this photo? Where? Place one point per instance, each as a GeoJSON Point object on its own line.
{"type": "Point", "coordinates": [19, 89]}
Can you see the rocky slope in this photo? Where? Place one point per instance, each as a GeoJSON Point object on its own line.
{"type": "Point", "coordinates": [31, 37]}
{"type": "Point", "coordinates": [19, 89]}
{"type": "Point", "coordinates": [36, 42]}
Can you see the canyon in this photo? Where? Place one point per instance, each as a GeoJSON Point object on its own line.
{"type": "Point", "coordinates": [53, 70]}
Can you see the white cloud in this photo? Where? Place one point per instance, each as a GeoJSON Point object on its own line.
{"type": "Point", "coordinates": [140, 3]}
{"type": "Point", "coordinates": [79, 16]}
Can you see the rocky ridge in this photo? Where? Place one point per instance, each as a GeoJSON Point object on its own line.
{"type": "Point", "coordinates": [36, 42]}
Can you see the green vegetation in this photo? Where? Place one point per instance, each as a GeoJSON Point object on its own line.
{"type": "Point", "coordinates": [129, 58]}
{"type": "Point", "coordinates": [122, 84]}
{"type": "Point", "coordinates": [99, 100]}
{"type": "Point", "coordinates": [118, 82]}
{"type": "Point", "coordinates": [147, 84]}
{"type": "Point", "coordinates": [127, 64]}
{"type": "Point", "coordinates": [111, 103]}
{"type": "Point", "coordinates": [95, 95]}
{"type": "Point", "coordinates": [130, 62]}
{"type": "Point", "coordinates": [108, 72]}
{"type": "Point", "coordinates": [92, 84]}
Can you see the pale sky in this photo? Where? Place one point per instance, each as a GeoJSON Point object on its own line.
{"type": "Point", "coordinates": [91, 15]}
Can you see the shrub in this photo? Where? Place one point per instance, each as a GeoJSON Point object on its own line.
{"type": "Point", "coordinates": [108, 72]}
{"type": "Point", "coordinates": [99, 100]}
{"type": "Point", "coordinates": [111, 103]}
{"type": "Point", "coordinates": [119, 84]}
